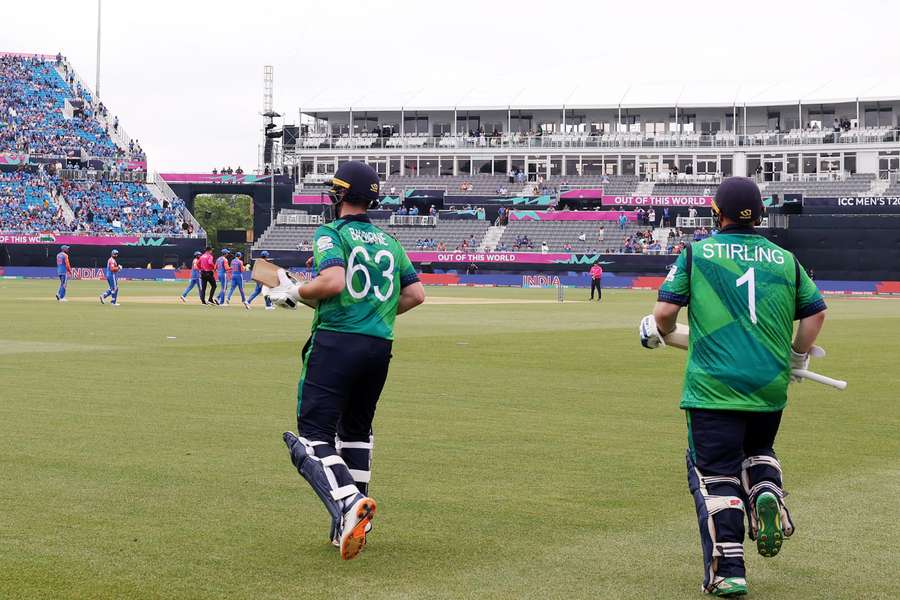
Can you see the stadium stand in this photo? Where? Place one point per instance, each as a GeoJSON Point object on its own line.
{"type": "Point", "coordinates": [557, 234]}
{"type": "Point", "coordinates": [446, 235]}
{"type": "Point", "coordinates": [26, 204]}
{"type": "Point", "coordinates": [33, 98]}
{"type": "Point", "coordinates": [48, 114]}
{"type": "Point", "coordinates": [684, 189]}
{"type": "Point", "coordinates": [476, 185]}
{"type": "Point", "coordinates": [489, 185]}
{"type": "Point", "coordinates": [856, 184]}
{"type": "Point", "coordinates": [613, 185]}
{"type": "Point", "coordinates": [893, 189]}
{"type": "Point", "coordinates": [114, 207]}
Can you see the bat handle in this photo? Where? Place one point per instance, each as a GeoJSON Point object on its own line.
{"type": "Point", "coordinates": [812, 376]}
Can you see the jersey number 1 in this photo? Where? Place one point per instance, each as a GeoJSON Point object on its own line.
{"type": "Point", "coordinates": [750, 279]}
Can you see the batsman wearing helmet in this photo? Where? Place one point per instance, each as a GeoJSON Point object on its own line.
{"type": "Point", "coordinates": [364, 281]}
{"type": "Point", "coordinates": [744, 293]}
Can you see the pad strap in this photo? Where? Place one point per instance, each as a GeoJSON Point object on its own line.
{"type": "Point", "coordinates": [755, 461]}
{"type": "Point", "coordinates": [360, 476]}
{"type": "Point", "coordinates": [728, 549]}
{"type": "Point", "coordinates": [354, 445]}
{"type": "Point", "coordinates": [344, 492]}
{"type": "Point", "coordinates": [715, 504]}
{"type": "Point", "coordinates": [334, 459]}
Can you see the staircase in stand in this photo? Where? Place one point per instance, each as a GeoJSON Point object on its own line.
{"type": "Point", "coordinates": [879, 187]}
{"type": "Point", "coordinates": [644, 188]}
{"type": "Point", "coordinates": [491, 238]}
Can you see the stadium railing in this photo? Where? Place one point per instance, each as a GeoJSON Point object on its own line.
{"type": "Point", "coordinates": [868, 135]}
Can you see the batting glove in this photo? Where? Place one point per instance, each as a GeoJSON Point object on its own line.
{"type": "Point", "coordinates": [286, 294]}
{"type": "Point", "coordinates": [801, 361]}
{"type": "Point", "coordinates": [650, 337]}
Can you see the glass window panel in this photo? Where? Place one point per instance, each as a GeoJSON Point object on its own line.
{"type": "Point", "coordinates": [727, 166]}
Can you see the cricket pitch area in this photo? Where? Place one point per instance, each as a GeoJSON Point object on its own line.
{"type": "Point", "coordinates": [523, 449]}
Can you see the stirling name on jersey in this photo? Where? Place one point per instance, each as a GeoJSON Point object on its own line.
{"type": "Point", "coordinates": [377, 269]}
{"type": "Point", "coordinates": [744, 293]}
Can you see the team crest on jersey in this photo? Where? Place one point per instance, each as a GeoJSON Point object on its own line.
{"type": "Point", "coordinates": [672, 271]}
{"type": "Point", "coordinates": [324, 243]}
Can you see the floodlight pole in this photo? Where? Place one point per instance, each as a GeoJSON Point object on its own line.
{"type": "Point", "coordinates": [97, 84]}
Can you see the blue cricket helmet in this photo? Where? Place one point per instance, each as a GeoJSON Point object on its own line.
{"type": "Point", "coordinates": [114, 252]}
{"type": "Point", "coordinates": [239, 255]}
{"type": "Point", "coordinates": [197, 253]}
{"type": "Point", "coordinates": [64, 247]}
{"type": "Point", "coordinates": [264, 254]}
{"type": "Point", "coordinates": [224, 250]}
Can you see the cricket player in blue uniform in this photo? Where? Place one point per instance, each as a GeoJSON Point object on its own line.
{"type": "Point", "coordinates": [64, 271]}
{"type": "Point", "coordinates": [365, 280]}
{"type": "Point", "coordinates": [222, 274]}
{"type": "Point", "coordinates": [112, 279]}
{"type": "Point", "coordinates": [259, 288]}
{"type": "Point", "coordinates": [195, 278]}
{"type": "Point", "coordinates": [237, 279]}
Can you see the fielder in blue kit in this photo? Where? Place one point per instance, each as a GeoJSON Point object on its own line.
{"type": "Point", "coordinates": [112, 269]}
{"type": "Point", "coordinates": [63, 271]}
{"type": "Point", "coordinates": [222, 275]}
{"type": "Point", "coordinates": [259, 289]}
{"type": "Point", "coordinates": [195, 278]}
{"type": "Point", "coordinates": [237, 279]}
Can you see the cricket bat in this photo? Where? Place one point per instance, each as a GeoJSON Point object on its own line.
{"type": "Point", "coordinates": [266, 273]}
{"type": "Point", "coordinates": [681, 336]}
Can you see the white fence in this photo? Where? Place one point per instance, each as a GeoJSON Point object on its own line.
{"type": "Point", "coordinates": [414, 220]}
{"type": "Point", "coordinates": [694, 222]}
{"type": "Point", "coordinates": [298, 218]}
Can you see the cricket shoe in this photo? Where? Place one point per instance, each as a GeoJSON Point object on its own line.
{"type": "Point", "coordinates": [728, 587]}
{"type": "Point", "coordinates": [183, 301]}
{"type": "Point", "coordinates": [356, 521]}
{"type": "Point", "coordinates": [63, 299]}
{"type": "Point", "coordinates": [115, 304]}
{"type": "Point", "coordinates": [102, 299]}
{"type": "Point", "coordinates": [335, 533]}
{"type": "Point", "coordinates": [247, 305]}
{"type": "Point", "coordinates": [57, 297]}
{"type": "Point", "coordinates": [270, 308]}
{"type": "Point", "coordinates": [768, 515]}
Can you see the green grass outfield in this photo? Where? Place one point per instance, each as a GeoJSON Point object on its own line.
{"type": "Point", "coordinates": [524, 449]}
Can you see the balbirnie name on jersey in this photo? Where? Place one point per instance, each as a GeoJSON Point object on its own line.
{"type": "Point", "coordinates": [368, 237]}
{"type": "Point", "coordinates": [744, 252]}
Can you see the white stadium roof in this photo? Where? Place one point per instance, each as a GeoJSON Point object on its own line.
{"type": "Point", "coordinates": [598, 93]}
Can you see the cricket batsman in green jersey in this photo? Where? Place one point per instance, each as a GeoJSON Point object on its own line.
{"type": "Point", "coordinates": [365, 279]}
{"type": "Point", "coordinates": [744, 293]}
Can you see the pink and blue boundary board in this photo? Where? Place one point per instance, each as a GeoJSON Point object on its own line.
{"type": "Point", "coordinates": [568, 279]}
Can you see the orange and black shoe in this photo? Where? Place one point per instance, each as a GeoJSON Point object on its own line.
{"type": "Point", "coordinates": [356, 524]}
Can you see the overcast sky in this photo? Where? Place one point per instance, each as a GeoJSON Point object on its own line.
{"type": "Point", "coordinates": [185, 76]}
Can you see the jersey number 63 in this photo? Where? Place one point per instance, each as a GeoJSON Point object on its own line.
{"type": "Point", "coordinates": [382, 258]}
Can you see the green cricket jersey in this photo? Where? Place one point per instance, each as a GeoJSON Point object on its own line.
{"type": "Point", "coordinates": [744, 294]}
{"type": "Point", "coordinates": [377, 269]}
